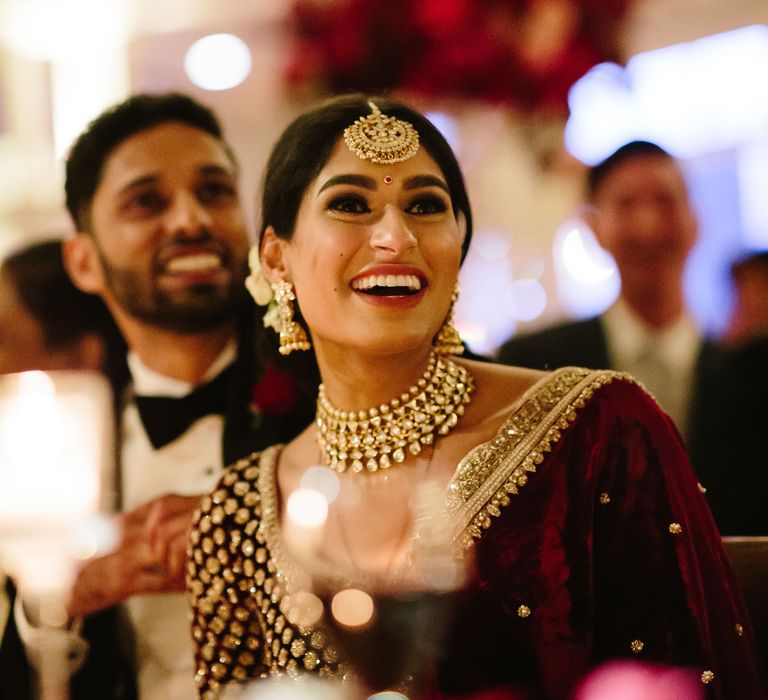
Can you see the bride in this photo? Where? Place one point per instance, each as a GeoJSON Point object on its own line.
{"type": "Point", "coordinates": [590, 537]}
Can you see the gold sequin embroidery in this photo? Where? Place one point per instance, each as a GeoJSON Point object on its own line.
{"type": "Point", "coordinates": [675, 528]}
{"type": "Point", "coordinates": [494, 471]}
{"type": "Point", "coordinates": [238, 627]}
{"type": "Point", "coordinates": [636, 645]}
{"type": "Point", "coordinates": [523, 611]}
{"type": "Point", "coordinates": [707, 677]}
{"type": "Point", "coordinates": [605, 499]}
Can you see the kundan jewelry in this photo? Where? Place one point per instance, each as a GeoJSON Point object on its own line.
{"type": "Point", "coordinates": [376, 438]}
{"type": "Point", "coordinates": [448, 341]}
{"type": "Point", "coordinates": [381, 139]}
{"type": "Point", "coordinates": [292, 335]}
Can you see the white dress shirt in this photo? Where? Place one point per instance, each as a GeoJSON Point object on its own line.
{"type": "Point", "coordinates": [189, 465]}
{"type": "Point", "coordinates": [664, 361]}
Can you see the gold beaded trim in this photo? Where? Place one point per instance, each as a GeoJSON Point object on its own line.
{"type": "Point", "coordinates": [479, 490]}
{"type": "Point", "coordinates": [376, 438]}
{"type": "Point", "coordinates": [381, 139]}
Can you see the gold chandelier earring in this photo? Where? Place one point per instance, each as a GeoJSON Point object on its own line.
{"type": "Point", "coordinates": [292, 335]}
{"type": "Point", "coordinates": [448, 341]}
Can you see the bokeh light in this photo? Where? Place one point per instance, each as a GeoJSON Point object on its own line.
{"type": "Point", "coordinates": [586, 275]}
{"type": "Point", "coordinates": [218, 62]}
{"type": "Point", "coordinates": [525, 299]}
{"type": "Point", "coordinates": [322, 480]}
{"type": "Point", "coordinates": [691, 98]}
{"type": "Point", "coordinates": [352, 607]}
{"type": "Point", "coordinates": [307, 508]}
{"type": "Point", "coordinates": [302, 608]}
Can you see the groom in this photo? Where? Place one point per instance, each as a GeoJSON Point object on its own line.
{"type": "Point", "coordinates": [151, 186]}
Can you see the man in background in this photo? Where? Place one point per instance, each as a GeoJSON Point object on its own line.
{"type": "Point", "coordinates": [642, 215]}
{"type": "Point", "coordinates": [46, 322]}
{"type": "Point", "coordinates": [151, 186]}
{"type": "Point", "coordinates": [749, 320]}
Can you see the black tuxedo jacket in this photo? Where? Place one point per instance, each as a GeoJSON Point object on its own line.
{"type": "Point", "coordinates": [726, 418]}
{"type": "Point", "coordinates": [109, 672]}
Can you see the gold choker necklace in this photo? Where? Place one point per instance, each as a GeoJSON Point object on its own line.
{"type": "Point", "coordinates": [377, 438]}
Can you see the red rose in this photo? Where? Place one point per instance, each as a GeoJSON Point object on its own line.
{"type": "Point", "coordinates": [274, 393]}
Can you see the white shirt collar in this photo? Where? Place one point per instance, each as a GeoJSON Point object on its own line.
{"type": "Point", "coordinates": [148, 382]}
{"type": "Point", "coordinates": [628, 338]}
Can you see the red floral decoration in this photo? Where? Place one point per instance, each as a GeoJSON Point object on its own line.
{"type": "Point", "coordinates": [274, 394]}
{"type": "Point", "coordinates": [522, 53]}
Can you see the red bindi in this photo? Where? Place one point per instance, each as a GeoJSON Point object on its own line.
{"type": "Point", "coordinates": [387, 179]}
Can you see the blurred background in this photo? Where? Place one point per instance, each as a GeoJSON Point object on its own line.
{"type": "Point", "coordinates": [529, 92]}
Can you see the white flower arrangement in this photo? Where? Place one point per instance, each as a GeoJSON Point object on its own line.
{"type": "Point", "coordinates": [261, 290]}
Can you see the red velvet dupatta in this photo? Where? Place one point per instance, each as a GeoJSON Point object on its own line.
{"type": "Point", "coordinates": [592, 541]}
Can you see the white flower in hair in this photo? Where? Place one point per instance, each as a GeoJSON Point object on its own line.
{"type": "Point", "coordinates": [272, 318]}
{"type": "Point", "coordinates": [256, 283]}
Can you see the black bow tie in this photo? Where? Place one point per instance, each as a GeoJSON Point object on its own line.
{"type": "Point", "coordinates": [166, 418]}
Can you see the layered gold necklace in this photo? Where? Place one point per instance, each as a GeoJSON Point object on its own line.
{"type": "Point", "coordinates": [377, 438]}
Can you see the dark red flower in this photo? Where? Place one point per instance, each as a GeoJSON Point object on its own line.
{"type": "Point", "coordinates": [522, 53]}
{"type": "Point", "coordinates": [275, 393]}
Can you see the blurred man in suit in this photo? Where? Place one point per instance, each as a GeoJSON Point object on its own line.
{"type": "Point", "coordinates": [642, 215]}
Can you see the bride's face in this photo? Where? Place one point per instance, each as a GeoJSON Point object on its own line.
{"type": "Point", "coordinates": [375, 253]}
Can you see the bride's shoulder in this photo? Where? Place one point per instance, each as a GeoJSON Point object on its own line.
{"type": "Point", "coordinates": [498, 388]}
{"type": "Point", "coordinates": [502, 383]}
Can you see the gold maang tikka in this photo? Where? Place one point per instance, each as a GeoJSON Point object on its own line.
{"type": "Point", "coordinates": [381, 139]}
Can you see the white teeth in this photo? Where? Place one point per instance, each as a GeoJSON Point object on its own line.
{"type": "Point", "coordinates": [409, 281]}
{"type": "Point", "coordinates": [194, 263]}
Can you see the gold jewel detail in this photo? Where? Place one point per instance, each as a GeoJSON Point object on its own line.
{"type": "Point", "coordinates": [702, 489]}
{"type": "Point", "coordinates": [381, 139]}
{"type": "Point", "coordinates": [605, 498]}
{"type": "Point", "coordinates": [739, 629]}
{"type": "Point", "coordinates": [675, 528]}
{"type": "Point", "coordinates": [707, 677]}
{"type": "Point", "coordinates": [636, 646]}
{"type": "Point", "coordinates": [376, 438]}
{"type": "Point", "coordinates": [239, 625]}
{"type": "Point", "coordinates": [523, 611]}
{"type": "Point", "coordinates": [474, 483]}
{"type": "Point", "coordinates": [292, 335]}
{"type": "Point", "coordinates": [448, 341]}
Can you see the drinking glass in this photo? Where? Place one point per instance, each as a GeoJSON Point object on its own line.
{"type": "Point", "coordinates": [384, 568]}
{"type": "Point", "coordinates": [56, 438]}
